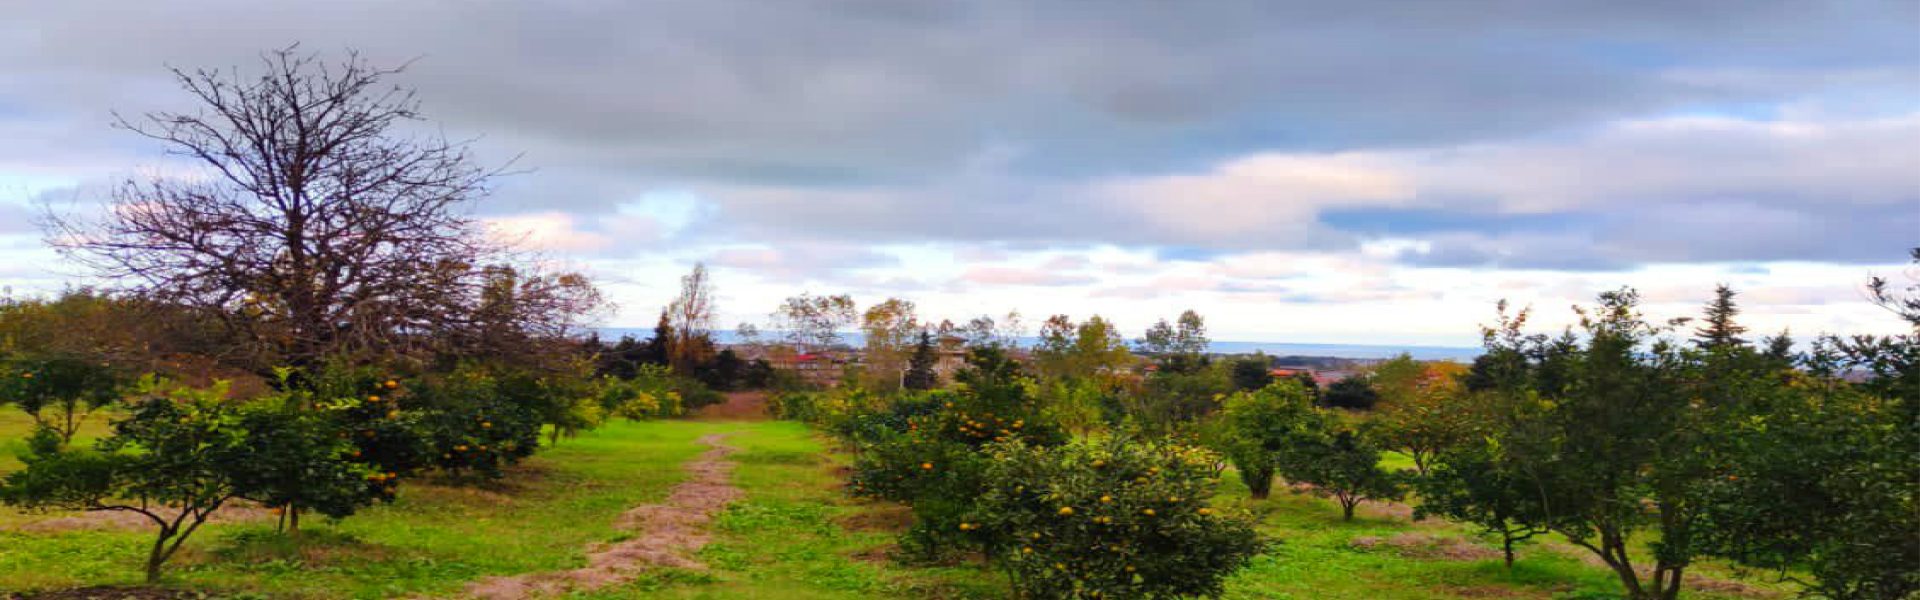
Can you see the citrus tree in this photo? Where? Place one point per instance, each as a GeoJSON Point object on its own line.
{"type": "Point", "coordinates": [1342, 463]}
{"type": "Point", "coordinates": [1112, 518]}
{"type": "Point", "coordinates": [172, 460]}
{"type": "Point", "coordinates": [1255, 428]}
{"type": "Point", "coordinates": [59, 391]}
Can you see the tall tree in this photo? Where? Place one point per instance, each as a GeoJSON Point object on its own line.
{"type": "Point", "coordinates": [920, 373]}
{"type": "Point", "coordinates": [1180, 346]}
{"type": "Point", "coordinates": [321, 225]}
{"type": "Point", "coordinates": [691, 315]}
{"type": "Point", "coordinates": [1718, 329]}
{"type": "Point", "coordinates": [812, 323]}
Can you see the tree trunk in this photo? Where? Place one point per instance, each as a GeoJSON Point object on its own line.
{"type": "Point", "coordinates": [1506, 546]}
{"type": "Point", "coordinates": [1259, 482]}
{"type": "Point", "coordinates": [1346, 509]}
{"type": "Point", "coordinates": [293, 519]}
{"type": "Point", "coordinates": [158, 555]}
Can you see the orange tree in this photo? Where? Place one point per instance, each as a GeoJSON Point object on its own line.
{"type": "Point", "coordinates": [1255, 428]}
{"type": "Point", "coordinates": [1343, 463]}
{"type": "Point", "coordinates": [1113, 518]}
{"type": "Point", "coordinates": [59, 391]}
{"type": "Point", "coordinates": [176, 458]}
{"type": "Point", "coordinates": [927, 450]}
{"type": "Point", "coordinates": [470, 423]}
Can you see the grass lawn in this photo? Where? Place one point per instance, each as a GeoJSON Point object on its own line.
{"type": "Point", "coordinates": [794, 535]}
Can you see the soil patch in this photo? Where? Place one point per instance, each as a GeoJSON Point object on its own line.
{"type": "Point", "coordinates": [890, 518]}
{"type": "Point", "coordinates": [238, 512]}
{"type": "Point", "coordinates": [739, 406]}
{"type": "Point", "coordinates": [667, 535]}
{"type": "Point", "coordinates": [1431, 547]}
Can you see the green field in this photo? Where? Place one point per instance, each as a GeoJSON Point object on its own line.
{"type": "Point", "coordinates": [794, 535]}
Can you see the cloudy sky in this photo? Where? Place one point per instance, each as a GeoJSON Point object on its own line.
{"type": "Point", "coordinates": [1362, 172]}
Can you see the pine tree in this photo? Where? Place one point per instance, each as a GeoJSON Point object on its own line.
{"type": "Point", "coordinates": [660, 348]}
{"type": "Point", "coordinates": [1720, 331]}
{"type": "Point", "coordinates": [920, 374]}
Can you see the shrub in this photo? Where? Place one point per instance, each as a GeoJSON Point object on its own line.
{"type": "Point", "coordinates": [1115, 518]}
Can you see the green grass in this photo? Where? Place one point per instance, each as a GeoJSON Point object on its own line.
{"type": "Point", "coordinates": [432, 541]}
{"type": "Point", "coordinates": [789, 538]}
{"type": "Point", "coordinates": [794, 535]}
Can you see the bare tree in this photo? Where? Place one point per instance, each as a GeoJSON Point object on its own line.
{"type": "Point", "coordinates": [691, 315]}
{"type": "Point", "coordinates": [316, 226]}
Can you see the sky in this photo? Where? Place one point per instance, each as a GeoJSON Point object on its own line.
{"type": "Point", "coordinates": [1352, 172]}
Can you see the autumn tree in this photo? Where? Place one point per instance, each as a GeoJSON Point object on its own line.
{"type": "Point", "coordinates": [317, 223]}
{"type": "Point", "coordinates": [889, 328]}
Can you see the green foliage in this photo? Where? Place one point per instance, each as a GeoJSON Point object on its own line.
{"type": "Point", "coordinates": [1342, 463]}
{"type": "Point", "coordinates": [474, 423]}
{"type": "Point", "coordinates": [1256, 428]}
{"type": "Point", "coordinates": [1107, 519]}
{"type": "Point", "coordinates": [1810, 486]}
{"type": "Point", "coordinates": [927, 451]}
{"type": "Point", "coordinates": [1352, 393]}
{"type": "Point", "coordinates": [652, 392]}
{"type": "Point", "coordinates": [1481, 484]}
{"type": "Point", "coordinates": [1252, 373]}
{"type": "Point", "coordinates": [1173, 401]}
{"type": "Point", "coordinates": [59, 391]}
{"type": "Point", "coordinates": [175, 459]}
{"type": "Point", "coordinates": [296, 460]}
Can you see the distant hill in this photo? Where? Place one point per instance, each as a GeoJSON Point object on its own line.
{"type": "Point", "coordinates": [1282, 349]}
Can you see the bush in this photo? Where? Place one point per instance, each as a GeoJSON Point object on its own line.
{"type": "Point", "coordinates": [1115, 518]}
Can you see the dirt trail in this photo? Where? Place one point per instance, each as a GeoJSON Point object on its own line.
{"type": "Point", "coordinates": [666, 535]}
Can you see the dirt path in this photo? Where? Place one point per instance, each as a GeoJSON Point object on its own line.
{"type": "Point", "coordinates": [667, 535]}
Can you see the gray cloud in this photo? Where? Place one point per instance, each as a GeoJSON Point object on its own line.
{"type": "Point", "coordinates": [808, 124]}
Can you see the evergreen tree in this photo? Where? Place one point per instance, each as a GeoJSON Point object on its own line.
{"type": "Point", "coordinates": [1252, 373]}
{"type": "Point", "coordinates": [920, 374]}
{"type": "Point", "coordinates": [1720, 331]}
{"type": "Point", "coordinates": [660, 348]}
